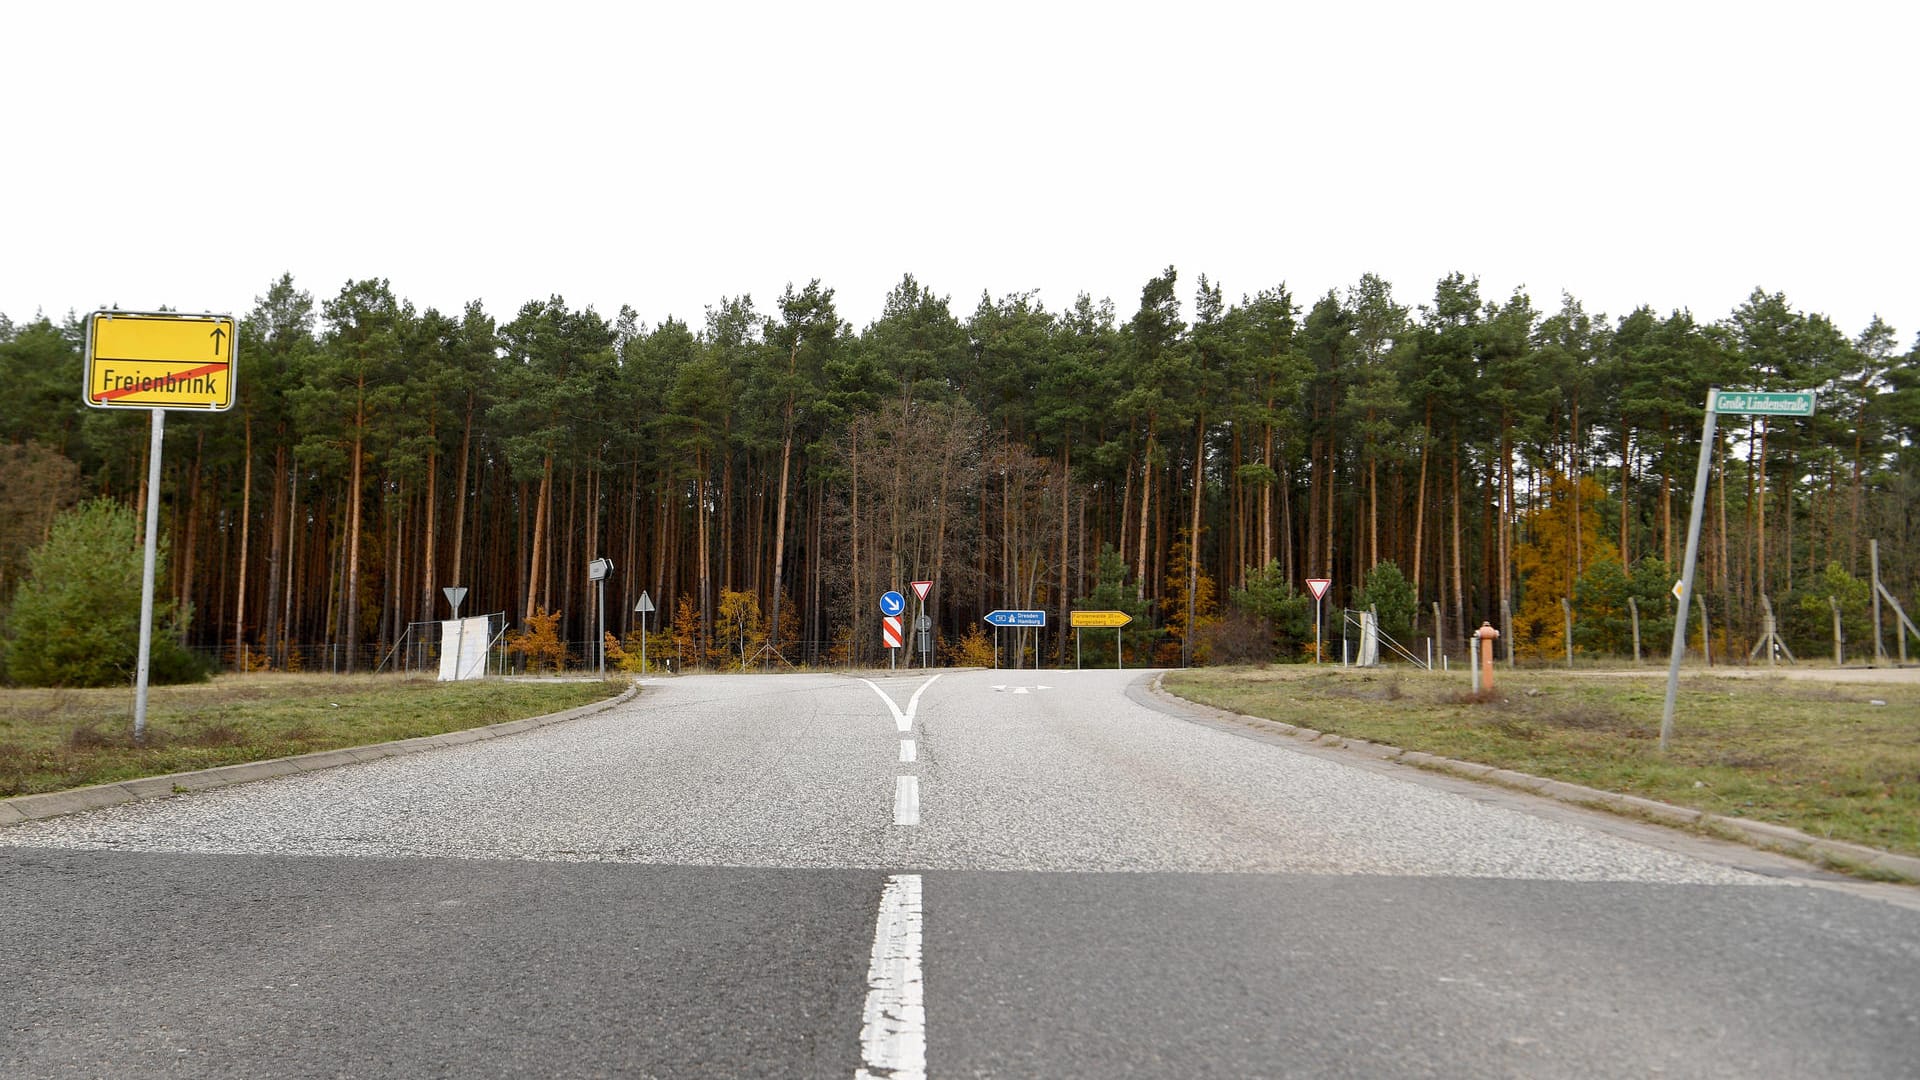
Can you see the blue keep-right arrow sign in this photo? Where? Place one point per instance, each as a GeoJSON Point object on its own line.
{"type": "Point", "coordinates": [892, 603]}
{"type": "Point", "coordinates": [1017, 618]}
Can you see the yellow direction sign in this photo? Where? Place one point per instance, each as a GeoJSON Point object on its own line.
{"type": "Point", "coordinates": [159, 360]}
{"type": "Point", "coordinates": [1098, 619]}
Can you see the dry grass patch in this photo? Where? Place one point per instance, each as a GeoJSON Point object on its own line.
{"type": "Point", "coordinates": [1822, 758]}
{"type": "Point", "coordinates": [51, 740]}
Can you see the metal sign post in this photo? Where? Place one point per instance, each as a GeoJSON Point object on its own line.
{"type": "Point", "coordinates": [155, 361]}
{"type": "Point", "coordinates": [1099, 620]}
{"type": "Point", "coordinates": [144, 670]}
{"type": "Point", "coordinates": [1318, 587]}
{"type": "Point", "coordinates": [597, 572]}
{"type": "Point", "coordinates": [1798, 403]}
{"type": "Point", "coordinates": [892, 636]}
{"type": "Point", "coordinates": [641, 609]}
{"type": "Point", "coordinates": [924, 624]}
{"type": "Point", "coordinates": [455, 594]}
{"type": "Point", "coordinates": [1020, 619]}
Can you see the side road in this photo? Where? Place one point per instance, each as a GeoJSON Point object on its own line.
{"type": "Point", "coordinates": [1759, 834]}
{"type": "Point", "coordinates": [57, 803]}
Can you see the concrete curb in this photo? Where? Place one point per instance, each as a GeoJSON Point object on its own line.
{"type": "Point", "coordinates": [1760, 834]}
{"type": "Point", "coordinates": [24, 808]}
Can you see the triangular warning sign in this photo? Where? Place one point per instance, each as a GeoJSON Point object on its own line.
{"type": "Point", "coordinates": [922, 588]}
{"type": "Point", "coordinates": [1318, 586]}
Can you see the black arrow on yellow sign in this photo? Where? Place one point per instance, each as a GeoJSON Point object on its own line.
{"type": "Point", "coordinates": [217, 335]}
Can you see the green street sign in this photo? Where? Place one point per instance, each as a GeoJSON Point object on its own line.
{"type": "Point", "coordinates": [1788, 403]}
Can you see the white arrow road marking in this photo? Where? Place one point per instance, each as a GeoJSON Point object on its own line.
{"type": "Point", "coordinates": [893, 1036]}
{"type": "Point", "coordinates": [903, 720]}
{"type": "Point", "coordinates": [1004, 689]}
{"type": "Point", "coordinates": [906, 789]}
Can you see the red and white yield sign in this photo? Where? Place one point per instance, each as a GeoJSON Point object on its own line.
{"type": "Point", "coordinates": [890, 633]}
{"type": "Point", "coordinates": [921, 589]}
{"type": "Point", "coordinates": [1318, 586]}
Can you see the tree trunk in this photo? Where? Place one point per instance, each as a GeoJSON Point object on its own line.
{"type": "Point", "coordinates": [1626, 482]}
{"type": "Point", "coordinates": [702, 530]}
{"type": "Point", "coordinates": [1287, 545]}
{"type": "Point", "coordinates": [1573, 471]}
{"type": "Point", "coordinates": [1266, 495]}
{"type": "Point", "coordinates": [293, 539]}
{"type": "Point", "coordinates": [666, 527]}
{"type": "Point", "coordinates": [728, 541]}
{"type": "Point", "coordinates": [430, 556]}
{"type": "Point", "coordinates": [1855, 488]}
{"type": "Point", "coordinates": [460, 497]}
{"type": "Point", "coordinates": [780, 526]}
{"type": "Point", "coordinates": [1721, 448]}
{"type": "Point", "coordinates": [940, 519]}
{"type": "Point", "coordinates": [1459, 576]}
{"type": "Point", "coordinates": [1315, 564]}
{"type": "Point", "coordinates": [571, 556]}
{"type": "Point", "coordinates": [1327, 519]}
{"type": "Point", "coordinates": [1373, 513]}
{"type": "Point", "coordinates": [188, 561]}
{"type": "Point", "coordinates": [1146, 501]}
{"type": "Point", "coordinates": [1066, 579]}
{"type": "Point", "coordinates": [246, 518]}
{"type": "Point", "coordinates": [1759, 471]}
{"type": "Point", "coordinates": [536, 560]}
{"type": "Point", "coordinates": [854, 651]}
{"type": "Point", "coordinates": [1420, 498]}
{"type": "Point", "coordinates": [1160, 540]}
{"type": "Point", "coordinates": [1505, 523]}
{"type": "Point", "coordinates": [271, 624]}
{"type": "Point", "coordinates": [1193, 535]}
{"type": "Point", "coordinates": [1786, 516]}
{"type": "Point", "coordinates": [352, 632]}
{"type": "Point", "coordinates": [1666, 505]}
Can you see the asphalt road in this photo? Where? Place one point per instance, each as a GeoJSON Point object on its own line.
{"type": "Point", "coordinates": [992, 874]}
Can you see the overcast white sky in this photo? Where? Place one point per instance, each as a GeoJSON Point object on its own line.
{"type": "Point", "coordinates": [1676, 153]}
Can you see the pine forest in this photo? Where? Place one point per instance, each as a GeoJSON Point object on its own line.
{"type": "Point", "coordinates": [766, 473]}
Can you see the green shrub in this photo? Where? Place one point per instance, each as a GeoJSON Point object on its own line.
{"type": "Point", "coordinates": [1270, 598]}
{"type": "Point", "coordinates": [1389, 592]}
{"type": "Point", "coordinates": [76, 618]}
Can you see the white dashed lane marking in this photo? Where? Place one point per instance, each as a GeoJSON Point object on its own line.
{"type": "Point", "coordinates": [893, 1036]}
{"type": "Point", "coordinates": [906, 800]}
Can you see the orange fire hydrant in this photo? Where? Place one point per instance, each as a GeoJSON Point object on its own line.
{"type": "Point", "coordinates": [1486, 635]}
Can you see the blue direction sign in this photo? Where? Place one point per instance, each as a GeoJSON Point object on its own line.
{"type": "Point", "coordinates": [892, 603]}
{"type": "Point", "coordinates": [1017, 618]}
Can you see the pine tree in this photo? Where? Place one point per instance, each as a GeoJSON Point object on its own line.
{"type": "Point", "coordinates": [76, 618]}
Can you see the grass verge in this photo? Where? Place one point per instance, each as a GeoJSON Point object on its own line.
{"type": "Point", "coordinates": [1823, 758]}
{"type": "Point", "coordinates": [51, 740]}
